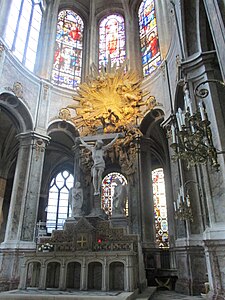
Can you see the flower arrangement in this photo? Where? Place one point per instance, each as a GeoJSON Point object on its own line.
{"type": "Point", "coordinates": [45, 247]}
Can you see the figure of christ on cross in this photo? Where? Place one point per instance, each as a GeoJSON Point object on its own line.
{"type": "Point", "coordinates": [98, 166]}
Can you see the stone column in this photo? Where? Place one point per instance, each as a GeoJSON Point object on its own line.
{"type": "Point", "coordinates": [147, 202]}
{"type": "Point", "coordinates": [212, 183]}
{"type": "Point", "coordinates": [134, 195]}
{"type": "Point", "coordinates": [23, 276]}
{"type": "Point", "coordinates": [129, 275]}
{"type": "Point", "coordinates": [25, 193]}
{"type": "Point", "coordinates": [2, 192]}
{"type": "Point", "coordinates": [46, 47]}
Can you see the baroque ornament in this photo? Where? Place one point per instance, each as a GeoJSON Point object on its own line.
{"type": "Point", "coordinates": [111, 100]}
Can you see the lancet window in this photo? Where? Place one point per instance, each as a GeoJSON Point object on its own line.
{"type": "Point", "coordinates": [22, 30]}
{"type": "Point", "coordinates": [67, 65]}
{"type": "Point", "coordinates": [150, 50]}
{"type": "Point", "coordinates": [112, 40]}
{"type": "Point", "coordinates": [109, 183]}
{"type": "Point", "coordinates": [160, 208]}
{"type": "Point", "coordinates": [58, 208]}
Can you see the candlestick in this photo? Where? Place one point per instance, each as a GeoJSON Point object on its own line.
{"type": "Point", "coordinates": [202, 111]}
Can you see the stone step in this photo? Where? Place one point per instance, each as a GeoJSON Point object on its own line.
{"type": "Point", "coordinates": [147, 293]}
{"type": "Point", "coordinates": [35, 294]}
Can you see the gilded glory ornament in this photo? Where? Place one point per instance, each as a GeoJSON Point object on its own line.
{"type": "Point", "coordinates": [111, 100]}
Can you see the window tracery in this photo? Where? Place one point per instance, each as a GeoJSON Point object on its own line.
{"type": "Point", "coordinates": [22, 30]}
{"type": "Point", "coordinates": [150, 50]}
{"type": "Point", "coordinates": [160, 208]}
{"type": "Point", "coordinates": [67, 63]}
{"type": "Point", "coordinates": [58, 208]}
{"type": "Point", "coordinates": [112, 40]}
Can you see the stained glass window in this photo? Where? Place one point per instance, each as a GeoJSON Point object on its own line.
{"type": "Point", "coordinates": [68, 50]}
{"type": "Point", "coordinates": [109, 183]}
{"type": "Point", "coordinates": [150, 50]}
{"type": "Point", "coordinates": [160, 209]}
{"type": "Point", "coordinates": [112, 40]}
{"type": "Point", "coordinates": [58, 208]}
{"type": "Point", "coordinates": [22, 30]}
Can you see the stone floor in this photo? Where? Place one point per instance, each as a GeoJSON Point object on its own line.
{"type": "Point", "coordinates": [166, 295]}
{"type": "Point", "coordinates": [35, 294]}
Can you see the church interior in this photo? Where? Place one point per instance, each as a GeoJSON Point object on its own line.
{"type": "Point", "coordinates": [112, 146]}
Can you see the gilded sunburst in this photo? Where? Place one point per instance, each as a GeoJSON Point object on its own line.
{"type": "Point", "coordinates": [110, 99]}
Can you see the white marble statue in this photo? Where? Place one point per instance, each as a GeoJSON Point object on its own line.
{"type": "Point", "coordinates": [98, 160]}
{"type": "Point", "coordinates": [119, 198]}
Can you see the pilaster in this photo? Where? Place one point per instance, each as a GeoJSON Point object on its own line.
{"type": "Point", "coordinates": [62, 279]}
{"type": "Point", "coordinates": [105, 276]}
{"type": "Point", "coordinates": [43, 274]}
{"type": "Point", "coordinates": [84, 275]}
{"type": "Point", "coordinates": [42, 111]}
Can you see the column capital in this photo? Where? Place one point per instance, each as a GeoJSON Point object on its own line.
{"type": "Point", "coordinates": [33, 135]}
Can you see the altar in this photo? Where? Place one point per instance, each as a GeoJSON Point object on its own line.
{"type": "Point", "coordinates": [88, 254]}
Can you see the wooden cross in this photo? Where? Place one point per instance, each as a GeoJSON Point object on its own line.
{"type": "Point", "coordinates": [82, 241]}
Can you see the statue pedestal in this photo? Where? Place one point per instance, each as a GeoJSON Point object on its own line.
{"type": "Point", "coordinates": [119, 221]}
{"type": "Point", "coordinates": [71, 220]}
{"type": "Point", "coordinates": [97, 211]}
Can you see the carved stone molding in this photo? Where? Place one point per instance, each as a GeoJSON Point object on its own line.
{"type": "Point", "coordinates": [39, 147]}
{"type": "Point", "coordinates": [17, 89]}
